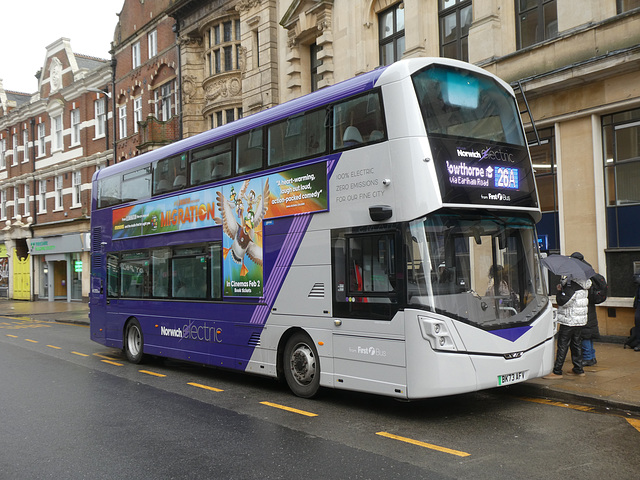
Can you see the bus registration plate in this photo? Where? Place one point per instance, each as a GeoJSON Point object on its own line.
{"type": "Point", "coordinates": [511, 378]}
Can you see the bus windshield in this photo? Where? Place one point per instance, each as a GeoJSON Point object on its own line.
{"type": "Point", "coordinates": [479, 269]}
{"type": "Point", "coordinates": [460, 103]}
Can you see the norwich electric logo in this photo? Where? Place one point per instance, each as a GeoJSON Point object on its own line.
{"type": "Point", "coordinates": [191, 331]}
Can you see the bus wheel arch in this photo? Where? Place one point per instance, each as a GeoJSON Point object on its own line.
{"type": "Point", "coordinates": [299, 363]}
{"type": "Point", "coordinates": [133, 341]}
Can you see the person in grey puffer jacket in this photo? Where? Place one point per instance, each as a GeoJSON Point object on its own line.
{"type": "Point", "coordinates": [573, 309]}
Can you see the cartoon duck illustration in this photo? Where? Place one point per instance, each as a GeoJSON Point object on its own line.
{"type": "Point", "coordinates": [242, 230]}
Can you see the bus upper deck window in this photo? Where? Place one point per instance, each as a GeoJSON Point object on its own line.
{"type": "Point", "coordinates": [467, 104]}
{"type": "Point", "coordinates": [170, 174]}
{"type": "Point", "coordinates": [297, 137]}
{"type": "Point", "coordinates": [210, 164]}
{"type": "Point", "coordinates": [136, 185]}
{"type": "Point", "coordinates": [249, 149]}
{"type": "Point", "coordinates": [358, 121]}
{"type": "Point", "coordinates": [109, 191]}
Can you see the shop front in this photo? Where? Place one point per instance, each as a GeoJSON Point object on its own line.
{"type": "Point", "coordinates": [60, 263]}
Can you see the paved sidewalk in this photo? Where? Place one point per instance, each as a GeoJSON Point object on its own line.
{"type": "Point", "coordinates": [72, 312]}
{"type": "Point", "coordinates": [613, 383]}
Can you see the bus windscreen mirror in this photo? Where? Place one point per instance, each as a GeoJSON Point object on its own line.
{"type": "Point", "coordinates": [477, 232]}
{"type": "Point", "coordinates": [502, 241]}
{"type": "Point", "coordinates": [462, 91]}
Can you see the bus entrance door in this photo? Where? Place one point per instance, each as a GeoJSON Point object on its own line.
{"type": "Point", "coordinates": [97, 310]}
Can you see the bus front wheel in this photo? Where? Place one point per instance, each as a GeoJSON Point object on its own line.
{"type": "Point", "coordinates": [133, 341]}
{"type": "Point", "coordinates": [302, 366]}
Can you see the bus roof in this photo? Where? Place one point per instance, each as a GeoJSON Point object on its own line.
{"type": "Point", "coordinates": [333, 93]}
{"type": "Point", "coordinates": [344, 89]}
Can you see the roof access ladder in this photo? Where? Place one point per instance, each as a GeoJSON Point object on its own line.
{"type": "Point", "coordinates": [517, 87]}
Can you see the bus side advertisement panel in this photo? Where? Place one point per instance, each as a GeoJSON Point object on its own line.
{"type": "Point", "coordinates": [289, 192]}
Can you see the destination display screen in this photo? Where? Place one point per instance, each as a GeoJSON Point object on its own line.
{"type": "Point", "coordinates": [483, 174]}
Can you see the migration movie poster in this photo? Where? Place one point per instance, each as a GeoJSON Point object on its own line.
{"type": "Point", "coordinates": [239, 208]}
{"type": "Point", "coordinates": [244, 205]}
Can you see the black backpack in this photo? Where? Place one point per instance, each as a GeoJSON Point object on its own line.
{"type": "Point", "coordinates": [598, 290]}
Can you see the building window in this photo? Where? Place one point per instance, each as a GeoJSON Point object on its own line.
{"type": "Point", "coordinates": [14, 153]}
{"type": "Point", "coordinates": [222, 117]}
{"type": "Point", "coordinates": [25, 143]}
{"type": "Point", "coordinates": [536, 21]}
{"type": "Point", "coordinates": [100, 116]}
{"type": "Point", "coordinates": [76, 188]}
{"type": "Point", "coordinates": [42, 197]}
{"type": "Point", "coordinates": [137, 113]}
{"type": "Point", "coordinates": [122, 116]}
{"type": "Point", "coordinates": [314, 50]}
{"type": "Point", "coordinates": [626, 5]}
{"type": "Point", "coordinates": [391, 40]}
{"type": "Point", "coordinates": [58, 186]}
{"type": "Point", "coordinates": [3, 153]}
{"type": "Point", "coordinates": [41, 140]}
{"type": "Point", "coordinates": [216, 60]}
{"type": "Point", "coordinates": [152, 40]}
{"type": "Point", "coordinates": [14, 159]}
{"type": "Point", "coordinates": [75, 126]}
{"type": "Point", "coordinates": [228, 59]}
{"type": "Point", "coordinates": [229, 115]}
{"type": "Point", "coordinates": [544, 166]}
{"type": "Point", "coordinates": [27, 210]}
{"type": "Point", "coordinates": [455, 19]}
{"type": "Point", "coordinates": [621, 145]}
{"type": "Point", "coordinates": [135, 55]}
{"type": "Point", "coordinates": [3, 204]}
{"type": "Point", "coordinates": [56, 133]}
{"type": "Point", "coordinates": [223, 43]}
{"type": "Point", "coordinates": [16, 201]}
{"type": "Point", "coordinates": [164, 101]}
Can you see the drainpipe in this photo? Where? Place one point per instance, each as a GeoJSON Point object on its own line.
{"type": "Point", "coordinates": [33, 163]}
{"type": "Point", "coordinates": [34, 214]}
{"type": "Point", "coordinates": [114, 63]}
{"type": "Point", "coordinates": [176, 30]}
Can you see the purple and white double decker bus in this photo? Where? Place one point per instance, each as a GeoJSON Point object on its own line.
{"type": "Point", "coordinates": [377, 235]}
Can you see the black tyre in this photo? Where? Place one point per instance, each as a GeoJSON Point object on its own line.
{"type": "Point", "coordinates": [133, 341]}
{"type": "Point", "coordinates": [301, 366]}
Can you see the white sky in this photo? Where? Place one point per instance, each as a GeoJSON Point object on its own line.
{"type": "Point", "coordinates": [27, 27]}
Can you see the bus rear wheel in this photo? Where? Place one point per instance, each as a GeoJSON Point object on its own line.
{"type": "Point", "coordinates": [133, 341]}
{"type": "Point", "coordinates": [302, 366]}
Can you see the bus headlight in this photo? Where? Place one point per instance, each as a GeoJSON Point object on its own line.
{"type": "Point", "coordinates": [437, 333]}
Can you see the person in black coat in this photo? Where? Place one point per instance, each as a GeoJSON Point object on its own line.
{"type": "Point", "coordinates": [590, 331]}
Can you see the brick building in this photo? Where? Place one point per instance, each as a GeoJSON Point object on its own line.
{"type": "Point", "coordinates": [147, 97]}
{"type": "Point", "coordinates": [51, 143]}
